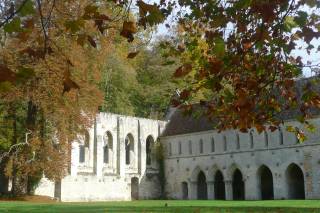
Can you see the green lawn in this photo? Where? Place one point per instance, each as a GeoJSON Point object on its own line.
{"type": "Point", "coordinates": [295, 206]}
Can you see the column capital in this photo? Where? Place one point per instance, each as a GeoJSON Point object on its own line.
{"type": "Point", "coordinates": [228, 181]}
{"type": "Point", "coordinates": [210, 182]}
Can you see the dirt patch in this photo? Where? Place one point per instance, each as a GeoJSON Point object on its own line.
{"type": "Point", "coordinates": [30, 198]}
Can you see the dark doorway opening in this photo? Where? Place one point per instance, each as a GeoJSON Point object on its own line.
{"type": "Point", "coordinates": [185, 192]}
{"type": "Point", "coordinates": [219, 187]}
{"type": "Point", "coordinates": [266, 183]}
{"type": "Point", "coordinates": [295, 181]}
{"type": "Point", "coordinates": [202, 187]}
{"type": "Point", "coordinates": [134, 188]}
{"type": "Point", "coordinates": [238, 185]}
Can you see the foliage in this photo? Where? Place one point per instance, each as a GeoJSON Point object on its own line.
{"type": "Point", "coordinates": [159, 156]}
{"type": "Point", "coordinates": [242, 52]}
{"type": "Point", "coordinates": [139, 87]}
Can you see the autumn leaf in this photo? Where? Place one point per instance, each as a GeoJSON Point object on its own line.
{"type": "Point", "coordinates": [149, 14]}
{"type": "Point", "coordinates": [133, 54]}
{"type": "Point", "coordinates": [183, 70]}
{"type": "Point", "coordinates": [68, 83]}
{"type": "Point", "coordinates": [128, 29]}
{"type": "Point", "coordinates": [6, 74]}
{"type": "Point", "coordinates": [91, 41]}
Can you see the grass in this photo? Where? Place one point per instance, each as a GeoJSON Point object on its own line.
{"type": "Point", "coordinates": [281, 206]}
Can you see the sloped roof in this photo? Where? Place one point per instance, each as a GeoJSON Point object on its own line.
{"type": "Point", "coordinates": [180, 123]}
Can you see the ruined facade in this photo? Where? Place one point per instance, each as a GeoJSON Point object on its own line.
{"type": "Point", "coordinates": [115, 161]}
{"type": "Point", "coordinates": [202, 163]}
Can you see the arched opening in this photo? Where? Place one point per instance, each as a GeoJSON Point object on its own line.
{"type": "Point", "coordinates": [149, 146]}
{"type": "Point", "coordinates": [238, 185]}
{"type": "Point", "coordinates": [265, 183]}
{"type": "Point", "coordinates": [129, 146]}
{"type": "Point", "coordinates": [134, 188]}
{"type": "Point", "coordinates": [108, 148]}
{"type": "Point", "coordinates": [84, 148]}
{"type": "Point", "coordinates": [219, 187]}
{"type": "Point", "coordinates": [202, 186]}
{"type": "Point", "coordinates": [295, 182]}
{"type": "Point", "coordinates": [184, 189]}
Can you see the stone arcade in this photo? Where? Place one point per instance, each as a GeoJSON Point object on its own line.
{"type": "Point", "coordinates": [114, 161]}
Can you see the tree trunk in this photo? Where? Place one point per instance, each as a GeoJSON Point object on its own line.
{"type": "Point", "coordinates": [19, 183]}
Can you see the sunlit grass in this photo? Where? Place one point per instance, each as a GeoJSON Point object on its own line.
{"type": "Point", "coordinates": [295, 206]}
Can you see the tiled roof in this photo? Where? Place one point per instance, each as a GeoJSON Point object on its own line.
{"type": "Point", "coordinates": [179, 123]}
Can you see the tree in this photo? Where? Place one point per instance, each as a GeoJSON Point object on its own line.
{"type": "Point", "coordinates": [241, 51]}
{"type": "Point", "coordinates": [51, 57]}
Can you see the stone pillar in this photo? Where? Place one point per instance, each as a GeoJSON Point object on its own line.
{"type": "Point", "coordinates": [74, 159]}
{"type": "Point", "coordinates": [228, 187]}
{"type": "Point", "coordinates": [120, 148]}
{"type": "Point", "coordinates": [280, 186]}
{"type": "Point", "coordinates": [99, 158]}
{"type": "Point", "coordinates": [251, 188]}
{"type": "Point", "coordinates": [210, 185]}
{"type": "Point", "coordinates": [193, 195]}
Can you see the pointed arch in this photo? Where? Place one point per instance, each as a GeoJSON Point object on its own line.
{"type": "Point", "coordinates": [129, 149]}
{"type": "Point", "coordinates": [202, 191]}
{"type": "Point", "coordinates": [195, 173]}
{"type": "Point", "coordinates": [295, 182]}
{"type": "Point", "coordinates": [265, 183]}
{"type": "Point", "coordinates": [238, 185]}
{"type": "Point", "coordinates": [230, 171]}
{"type": "Point", "coordinates": [107, 148]}
{"type": "Point", "coordinates": [219, 186]}
{"type": "Point", "coordinates": [149, 147]}
{"type": "Point", "coordinates": [84, 148]}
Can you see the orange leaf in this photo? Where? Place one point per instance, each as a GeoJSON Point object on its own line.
{"type": "Point", "coordinates": [133, 54]}
{"type": "Point", "coordinates": [183, 70]}
{"type": "Point", "coordinates": [6, 74]}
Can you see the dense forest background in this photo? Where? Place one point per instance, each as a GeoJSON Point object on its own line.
{"type": "Point", "coordinates": [141, 86]}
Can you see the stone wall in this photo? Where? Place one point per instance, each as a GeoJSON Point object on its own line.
{"type": "Point", "coordinates": [95, 180]}
{"type": "Point", "coordinates": [246, 152]}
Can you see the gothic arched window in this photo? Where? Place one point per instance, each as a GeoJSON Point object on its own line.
{"type": "Point", "coordinates": [238, 141]}
{"type": "Point", "coordinates": [251, 140]}
{"type": "Point", "coordinates": [213, 146]}
{"type": "Point", "coordinates": [190, 147]}
{"type": "Point", "coordinates": [108, 148]}
{"type": "Point", "coordinates": [280, 136]}
{"type": "Point", "coordinates": [225, 143]}
{"type": "Point", "coordinates": [266, 138]}
{"type": "Point", "coordinates": [84, 148]}
{"type": "Point", "coordinates": [149, 146]}
{"type": "Point", "coordinates": [129, 147]}
{"type": "Point", "coordinates": [201, 146]}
